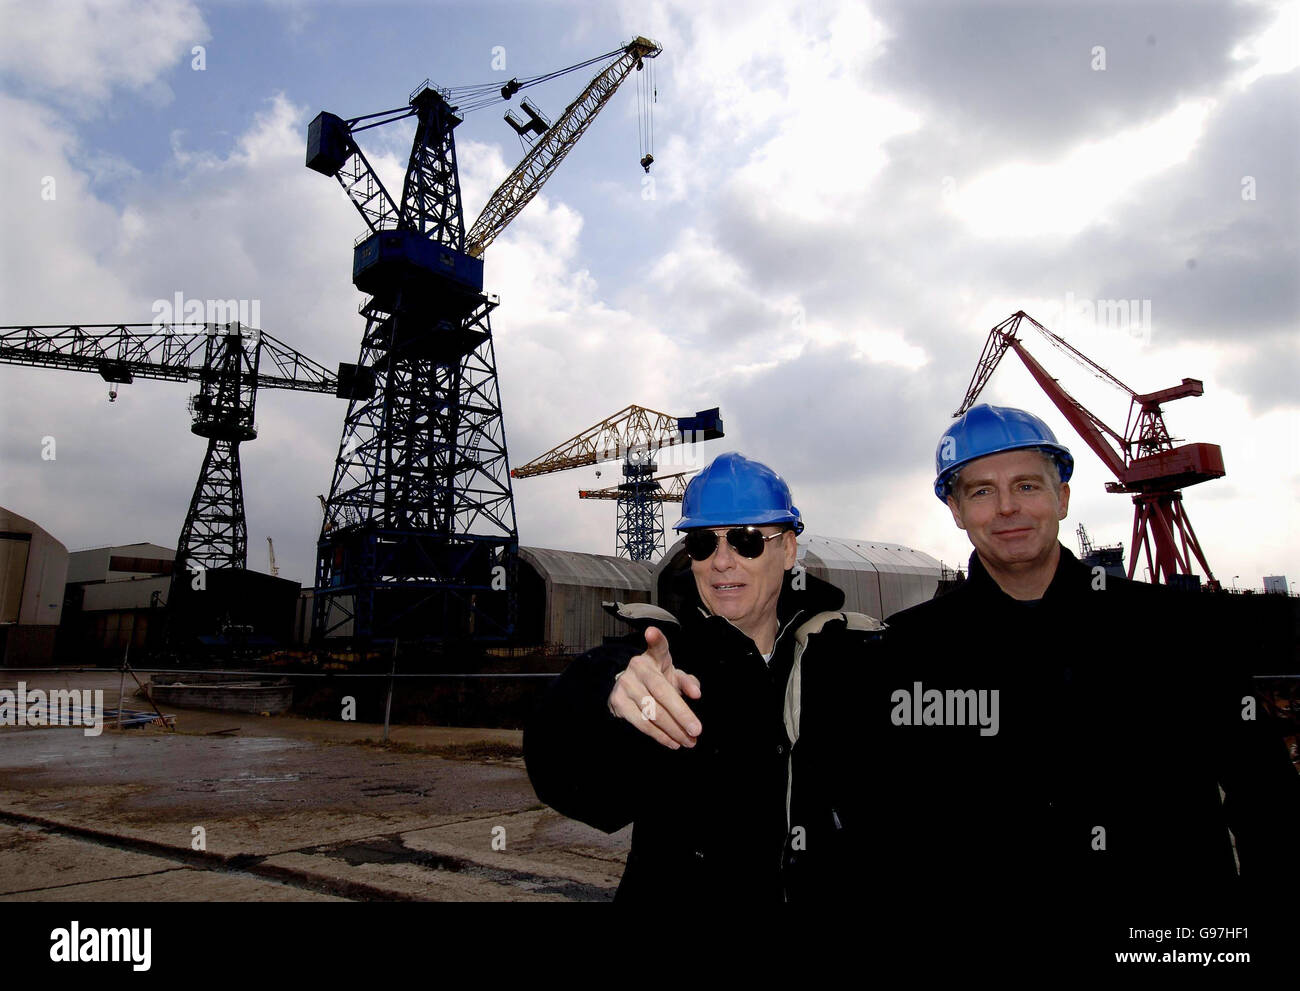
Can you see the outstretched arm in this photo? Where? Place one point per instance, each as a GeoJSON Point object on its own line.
{"type": "Point", "coordinates": [598, 739]}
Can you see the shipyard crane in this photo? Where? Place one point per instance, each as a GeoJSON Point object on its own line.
{"type": "Point", "coordinates": [230, 362]}
{"type": "Point", "coordinates": [419, 539]}
{"type": "Point", "coordinates": [1144, 459]}
{"type": "Point", "coordinates": [633, 434]}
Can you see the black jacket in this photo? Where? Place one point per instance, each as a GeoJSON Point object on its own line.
{"type": "Point", "coordinates": [711, 823]}
{"type": "Point", "coordinates": [1119, 722]}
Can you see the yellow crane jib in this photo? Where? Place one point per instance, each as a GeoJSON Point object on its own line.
{"type": "Point", "coordinates": [670, 488]}
{"type": "Point", "coordinates": [630, 430]}
{"type": "Point", "coordinates": [524, 181]}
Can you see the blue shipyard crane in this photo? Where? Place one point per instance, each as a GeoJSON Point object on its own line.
{"type": "Point", "coordinates": [229, 361]}
{"type": "Point", "coordinates": [633, 434]}
{"type": "Point", "coordinates": [419, 540]}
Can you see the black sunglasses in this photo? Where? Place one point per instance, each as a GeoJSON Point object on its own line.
{"type": "Point", "coordinates": [747, 541]}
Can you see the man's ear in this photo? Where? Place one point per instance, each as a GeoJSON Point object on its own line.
{"type": "Point", "coordinates": [791, 547]}
{"type": "Point", "coordinates": [956, 513]}
{"type": "Point", "coordinates": [1065, 499]}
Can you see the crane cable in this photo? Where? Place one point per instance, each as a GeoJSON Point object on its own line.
{"type": "Point", "coordinates": [1081, 359]}
{"type": "Point", "coordinates": [481, 95]}
{"type": "Point", "coordinates": [647, 96]}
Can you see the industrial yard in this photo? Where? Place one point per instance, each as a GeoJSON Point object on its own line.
{"type": "Point", "coordinates": [290, 810]}
{"type": "Point", "coordinates": [355, 362]}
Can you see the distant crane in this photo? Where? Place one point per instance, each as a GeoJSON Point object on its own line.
{"type": "Point", "coordinates": [419, 539]}
{"type": "Point", "coordinates": [230, 362]}
{"type": "Point", "coordinates": [634, 434]}
{"type": "Point", "coordinates": [1144, 459]}
{"type": "Point", "coordinates": [1085, 543]}
{"type": "Point", "coordinates": [1111, 558]}
{"type": "Point", "coordinates": [270, 547]}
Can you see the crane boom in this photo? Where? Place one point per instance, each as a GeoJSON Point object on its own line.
{"type": "Point", "coordinates": [633, 434]}
{"type": "Point", "coordinates": [524, 181]}
{"type": "Point", "coordinates": [172, 352]}
{"type": "Point", "coordinates": [225, 360]}
{"type": "Point", "coordinates": [631, 429]}
{"type": "Point", "coordinates": [1085, 424]}
{"type": "Point", "coordinates": [1091, 429]}
{"type": "Point", "coordinates": [672, 488]}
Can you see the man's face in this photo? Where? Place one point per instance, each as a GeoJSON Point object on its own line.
{"type": "Point", "coordinates": [743, 589]}
{"type": "Point", "coordinates": [1009, 506]}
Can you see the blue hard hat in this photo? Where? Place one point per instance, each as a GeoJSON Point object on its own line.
{"type": "Point", "coordinates": [985, 430]}
{"type": "Point", "coordinates": [732, 490]}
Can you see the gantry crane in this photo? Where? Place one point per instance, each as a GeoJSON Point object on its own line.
{"type": "Point", "coordinates": [1144, 460]}
{"type": "Point", "coordinates": [419, 538]}
{"type": "Point", "coordinates": [229, 361]}
{"type": "Point", "coordinates": [633, 434]}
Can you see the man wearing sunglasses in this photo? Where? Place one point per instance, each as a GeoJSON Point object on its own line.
{"type": "Point", "coordinates": [718, 732]}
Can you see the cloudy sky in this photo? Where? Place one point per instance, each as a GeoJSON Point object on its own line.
{"type": "Point", "coordinates": [845, 198]}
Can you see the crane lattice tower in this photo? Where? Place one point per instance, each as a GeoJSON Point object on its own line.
{"type": "Point", "coordinates": [419, 540]}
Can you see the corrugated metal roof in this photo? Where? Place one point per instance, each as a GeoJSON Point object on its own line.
{"type": "Point", "coordinates": [841, 553]}
{"type": "Point", "coordinates": [876, 577]}
{"type": "Point", "coordinates": [588, 570]}
{"type": "Point", "coordinates": [11, 521]}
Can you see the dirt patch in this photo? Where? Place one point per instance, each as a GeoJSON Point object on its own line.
{"type": "Point", "coordinates": [484, 751]}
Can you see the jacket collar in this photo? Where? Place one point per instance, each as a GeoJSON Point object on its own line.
{"type": "Point", "coordinates": [1064, 582]}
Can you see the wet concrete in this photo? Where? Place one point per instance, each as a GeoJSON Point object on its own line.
{"type": "Point", "coordinates": [282, 808]}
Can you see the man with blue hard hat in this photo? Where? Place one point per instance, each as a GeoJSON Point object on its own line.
{"type": "Point", "coordinates": [717, 732]}
{"type": "Point", "coordinates": [1124, 747]}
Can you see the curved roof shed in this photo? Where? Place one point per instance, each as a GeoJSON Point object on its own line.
{"type": "Point", "coordinates": [560, 596]}
{"type": "Point", "coordinates": [877, 578]}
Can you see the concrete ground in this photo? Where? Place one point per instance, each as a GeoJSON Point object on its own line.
{"type": "Point", "coordinates": [234, 807]}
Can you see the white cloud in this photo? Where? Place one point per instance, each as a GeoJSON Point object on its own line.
{"type": "Point", "coordinates": [79, 51]}
{"type": "Point", "coordinates": [1080, 188]}
{"type": "Point", "coordinates": [1276, 49]}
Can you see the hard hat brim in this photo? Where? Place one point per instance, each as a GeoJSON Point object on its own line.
{"type": "Point", "coordinates": [1064, 464]}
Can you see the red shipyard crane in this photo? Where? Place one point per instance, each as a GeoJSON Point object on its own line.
{"type": "Point", "coordinates": [1144, 459]}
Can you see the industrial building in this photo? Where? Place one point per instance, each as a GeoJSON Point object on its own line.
{"type": "Point", "coordinates": [33, 569]}
{"type": "Point", "coordinates": [102, 599]}
{"type": "Point", "coordinates": [561, 595]}
{"type": "Point", "coordinates": [115, 595]}
{"type": "Point", "coordinates": [877, 578]}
